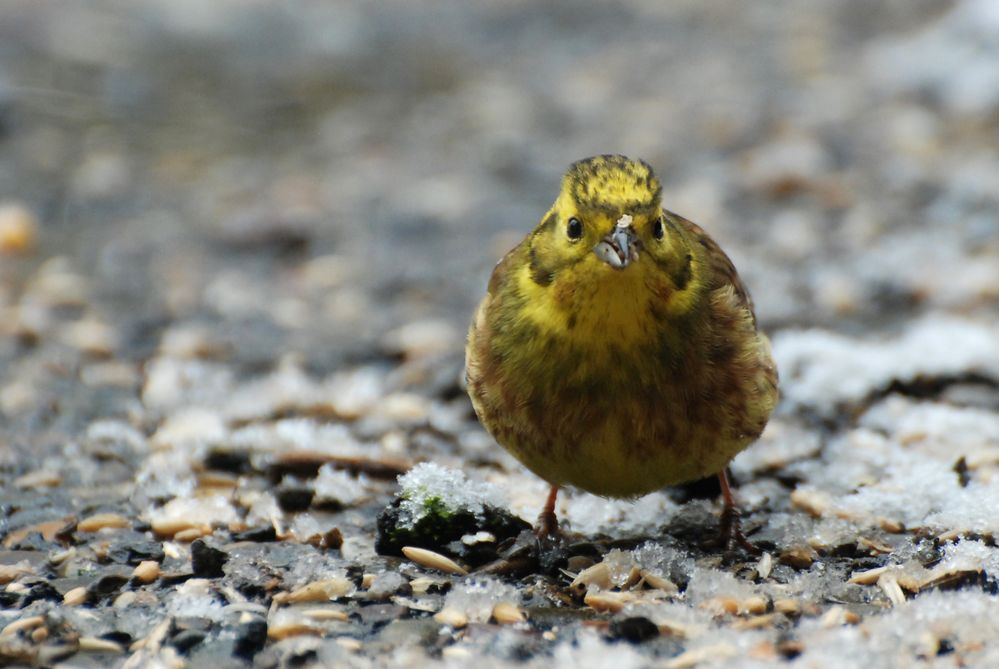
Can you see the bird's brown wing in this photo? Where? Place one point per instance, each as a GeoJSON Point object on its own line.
{"type": "Point", "coordinates": [723, 272]}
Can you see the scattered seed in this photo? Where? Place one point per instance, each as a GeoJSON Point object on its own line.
{"type": "Point", "coordinates": [326, 614]}
{"type": "Point", "coordinates": [101, 520]}
{"type": "Point", "coordinates": [598, 575]}
{"type": "Point", "coordinates": [799, 557]}
{"type": "Point", "coordinates": [657, 582]}
{"type": "Point", "coordinates": [349, 643]}
{"type": "Point", "coordinates": [756, 622]}
{"type": "Point", "coordinates": [451, 617]}
{"type": "Point", "coordinates": [755, 605]}
{"type": "Point", "coordinates": [146, 571]}
{"type": "Point", "coordinates": [40, 634]}
{"type": "Point", "coordinates": [18, 228]}
{"type": "Point", "coordinates": [367, 580]}
{"type": "Point", "coordinates": [506, 613]}
{"type": "Point", "coordinates": [787, 606]}
{"type": "Point", "coordinates": [695, 656]}
{"type": "Point", "coordinates": [458, 652]}
{"type": "Point", "coordinates": [722, 605]}
{"type": "Point", "coordinates": [813, 502]}
{"type": "Point", "coordinates": [874, 547]}
{"type": "Point", "coordinates": [317, 591]}
{"type": "Point", "coordinates": [96, 645]}
{"type": "Point", "coordinates": [891, 525]}
{"type": "Point", "coordinates": [837, 616]}
{"type": "Point", "coordinates": [868, 577]}
{"type": "Point", "coordinates": [57, 559]}
{"type": "Point", "coordinates": [608, 601]}
{"type": "Point", "coordinates": [288, 630]}
{"type": "Point", "coordinates": [40, 478]}
{"type": "Point", "coordinates": [421, 584]}
{"type": "Point", "coordinates": [22, 625]}
{"type": "Point", "coordinates": [889, 585]}
{"type": "Point", "coordinates": [192, 534]}
{"type": "Point", "coordinates": [11, 572]}
{"type": "Point", "coordinates": [765, 566]}
{"type": "Point", "coordinates": [432, 560]}
{"type": "Point", "coordinates": [171, 527]}
{"type": "Point", "coordinates": [75, 597]}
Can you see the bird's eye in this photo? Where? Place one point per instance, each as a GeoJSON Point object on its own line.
{"type": "Point", "coordinates": [574, 229]}
{"type": "Point", "coordinates": [657, 229]}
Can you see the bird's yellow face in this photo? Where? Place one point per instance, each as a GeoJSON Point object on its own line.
{"type": "Point", "coordinates": [606, 256]}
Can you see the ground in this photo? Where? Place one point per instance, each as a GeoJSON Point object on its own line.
{"type": "Point", "coordinates": [240, 243]}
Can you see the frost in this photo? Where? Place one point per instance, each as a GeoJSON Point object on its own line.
{"type": "Point", "coordinates": [821, 370]}
{"type": "Point", "coordinates": [900, 465]}
{"type": "Point", "coordinates": [907, 635]}
{"type": "Point", "coordinates": [298, 434]}
{"type": "Point", "coordinates": [314, 567]}
{"type": "Point", "coordinates": [955, 58]}
{"type": "Point", "coordinates": [592, 652]}
{"type": "Point", "coordinates": [195, 599]}
{"type": "Point", "coordinates": [339, 486]}
{"type": "Point", "coordinates": [209, 510]}
{"type": "Point", "coordinates": [707, 584]}
{"type": "Point", "coordinates": [476, 597]}
{"type": "Point", "coordinates": [590, 514]}
{"type": "Point", "coordinates": [429, 487]}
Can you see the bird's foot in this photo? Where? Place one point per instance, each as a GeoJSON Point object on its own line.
{"type": "Point", "coordinates": [730, 535]}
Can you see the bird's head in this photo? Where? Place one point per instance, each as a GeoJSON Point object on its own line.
{"type": "Point", "coordinates": [607, 218]}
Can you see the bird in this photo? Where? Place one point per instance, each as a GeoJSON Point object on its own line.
{"type": "Point", "coordinates": [616, 349]}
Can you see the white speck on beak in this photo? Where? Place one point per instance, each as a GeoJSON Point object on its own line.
{"type": "Point", "coordinates": [624, 222]}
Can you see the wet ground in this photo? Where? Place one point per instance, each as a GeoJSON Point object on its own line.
{"type": "Point", "coordinates": [239, 247]}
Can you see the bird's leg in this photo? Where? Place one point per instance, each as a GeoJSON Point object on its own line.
{"type": "Point", "coordinates": [731, 522]}
{"type": "Point", "coordinates": [547, 522]}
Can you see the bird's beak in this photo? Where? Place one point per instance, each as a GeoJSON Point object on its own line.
{"type": "Point", "coordinates": [621, 246]}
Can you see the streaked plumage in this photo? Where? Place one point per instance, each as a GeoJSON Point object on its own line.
{"type": "Point", "coordinates": [619, 370]}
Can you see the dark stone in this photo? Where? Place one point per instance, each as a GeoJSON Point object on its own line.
{"type": "Point", "coordinates": [207, 561]}
{"type": "Point", "coordinates": [379, 615]}
{"type": "Point", "coordinates": [34, 541]}
{"type": "Point", "coordinates": [257, 534]}
{"type": "Point", "coordinates": [119, 637]}
{"type": "Point", "coordinates": [294, 498]}
{"type": "Point", "coordinates": [105, 586]}
{"type": "Point", "coordinates": [185, 640]}
{"type": "Point", "coordinates": [251, 637]}
{"type": "Point", "coordinates": [134, 549]}
{"type": "Point", "coordinates": [636, 629]}
{"type": "Point", "coordinates": [441, 531]}
{"type": "Point", "coordinates": [9, 600]}
{"type": "Point", "coordinates": [41, 590]}
{"type": "Point", "coordinates": [237, 462]}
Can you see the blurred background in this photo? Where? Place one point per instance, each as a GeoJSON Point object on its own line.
{"type": "Point", "coordinates": [300, 178]}
{"type": "Point", "coordinates": [241, 241]}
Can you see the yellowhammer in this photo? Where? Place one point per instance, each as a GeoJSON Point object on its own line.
{"type": "Point", "coordinates": [616, 349]}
